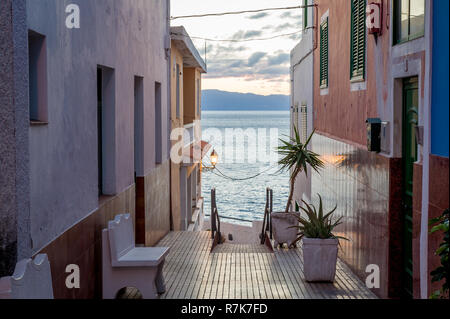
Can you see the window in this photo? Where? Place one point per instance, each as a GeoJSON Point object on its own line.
{"type": "Point", "coordinates": [138, 125]}
{"type": "Point", "coordinates": [358, 40]}
{"type": "Point", "coordinates": [324, 54]}
{"type": "Point", "coordinates": [37, 57]}
{"type": "Point", "coordinates": [106, 130]}
{"type": "Point", "coordinates": [198, 98]}
{"type": "Point", "coordinates": [409, 20]}
{"type": "Point", "coordinates": [304, 122]}
{"type": "Point", "coordinates": [295, 120]}
{"type": "Point", "coordinates": [178, 90]}
{"type": "Point", "coordinates": [100, 130]}
{"type": "Point", "coordinates": [305, 14]}
{"type": "Point", "coordinates": [158, 124]}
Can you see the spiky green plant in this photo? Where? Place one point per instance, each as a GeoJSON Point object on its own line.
{"type": "Point", "coordinates": [296, 157]}
{"type": "Point", "coordinates": [318, 225]}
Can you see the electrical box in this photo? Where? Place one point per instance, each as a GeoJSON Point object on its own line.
{"type": "Point", "coordinates": [374, 134]}
{"type": "Point", "coordinates": [385, 137]}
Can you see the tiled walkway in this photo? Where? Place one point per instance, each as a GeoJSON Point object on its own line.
{"type": "Point", "coordinates": [246, 272]}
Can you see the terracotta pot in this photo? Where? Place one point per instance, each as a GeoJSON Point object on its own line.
{"type": "Point", "coordinates": [282, 233]}
{"type": "Point", "coordinates": [319, 259]}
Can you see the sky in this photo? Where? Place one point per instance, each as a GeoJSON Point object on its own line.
{"type": "Point", "coordinates": [260, 67]}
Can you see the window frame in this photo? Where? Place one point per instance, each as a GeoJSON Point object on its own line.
{"type": "Point", "coordinates": [395, 29]}
{"type": "Point", "coordinates": [37, 79]}
{"type": "Point", "coordinates": [324, 77]}
{"type": "Point", "coordinates": [361, 71]}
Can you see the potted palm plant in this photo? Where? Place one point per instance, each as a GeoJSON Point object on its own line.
{"type": "Point", "coordinates": [296, 158]}
{"type": "Point", "coordinates": [320, 245]}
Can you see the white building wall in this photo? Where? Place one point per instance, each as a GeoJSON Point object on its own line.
{"type": "Point", "coordinates": [302, 93]}
{"type": "Point", "coordinates": [127, 36]}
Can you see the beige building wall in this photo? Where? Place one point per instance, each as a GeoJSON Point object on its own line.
{"type": "Point", "coordinates": [176, 122]}
{"type": "Point", "coordinates": [189, 95]}
{"type": "Point", "coordinates": [192, 88]}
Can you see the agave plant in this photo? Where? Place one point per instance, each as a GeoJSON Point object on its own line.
{"type": "Point", "coordinates": [318, 225]}
{"type": "Point", "coordinates": [296, 157]}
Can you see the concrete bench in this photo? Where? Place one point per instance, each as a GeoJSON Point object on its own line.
{"type": "Point", "coordinates": [125, 265]}
{"type": "Point", "coordinates": [32, 279]}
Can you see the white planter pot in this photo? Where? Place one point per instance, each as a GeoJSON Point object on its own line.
{"type": "Point", "coordinates": [282, 233]}
{"type": "Point", "coordinates": [319, 259]}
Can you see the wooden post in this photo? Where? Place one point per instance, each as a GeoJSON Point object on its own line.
{"type": "Point", "coordinates": [270, 213]}
{"type": "Point", "coordinates": [213, 212]}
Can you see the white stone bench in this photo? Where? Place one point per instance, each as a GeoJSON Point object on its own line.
{"type": "Point", "coordinates": [32, 279]}
{"type": "Point", "coordinates": [125, 265]}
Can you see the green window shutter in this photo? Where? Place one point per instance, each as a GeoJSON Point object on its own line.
{"type": "Point", "coordinates": [324, 54]}
{"type": "Point", "coordinates": [358, 40]}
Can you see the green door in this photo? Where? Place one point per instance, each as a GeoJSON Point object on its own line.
{"type": "Point", "coordinates": [410, 121]}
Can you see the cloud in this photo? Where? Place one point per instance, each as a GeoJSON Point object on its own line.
{"type": "Point", "coordinates": [285, 27]}
{"type": "Point", "coordinates": [219, 48]}
{"type": "Point", "coordinates": [255, 58]}
{"type": "Point", "coordinates": [236, 64]}
{"type": "Point", "coordinates": [256, 68]}
{"type": "Point", "coordinates": [296, 37]}
{"type": "Point", "coordinates": [258, 16]}
{"type": "Point", "coordinates": [279, 59]}
{"type": "Point", "coordinates": [291, 15]}
{"type": "Point", "coordinates": [273, 70]}
{"type": "Point", "coordinates": [244, 35]}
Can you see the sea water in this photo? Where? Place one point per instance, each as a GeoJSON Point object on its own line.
{"type": "Point", "coordinates": [244, 199]}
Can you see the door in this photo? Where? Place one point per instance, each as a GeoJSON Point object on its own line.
{"type": "Point", "coordinates": [100, 129]}
{"type": "Point", "coordinates": [409, 145]}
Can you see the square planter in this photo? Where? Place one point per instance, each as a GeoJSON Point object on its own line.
{"type": "Point", "coordinates": [280, 228]}
{"type": "Point", "coordinates": [319, 259]}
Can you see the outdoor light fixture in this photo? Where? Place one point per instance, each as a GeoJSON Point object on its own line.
{"type": "Point", "coordinates": [214, 159]}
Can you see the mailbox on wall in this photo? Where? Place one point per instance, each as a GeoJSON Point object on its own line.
{"type": "Point", "coordinates": [374, 134]}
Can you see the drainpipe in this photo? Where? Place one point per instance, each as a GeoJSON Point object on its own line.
{"type": "Point", "coordinates": [424, 272]}
{"type": "Point", "coordinates": [168, 54]}
{"type": "Point", "coordinates": [169, 78]}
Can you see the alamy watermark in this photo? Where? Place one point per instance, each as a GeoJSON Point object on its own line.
{"type": "Point", "coordinates": [73, 16]}
{"type": "Point", "coordinates": [234, 145]}
{"type": "Point", "coordinates": [73, 279]}
{"type": "Point", "coordinates": [373, 279]}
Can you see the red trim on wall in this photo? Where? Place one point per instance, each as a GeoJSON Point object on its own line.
{"type": "Point", "coordinates": [395, 226]}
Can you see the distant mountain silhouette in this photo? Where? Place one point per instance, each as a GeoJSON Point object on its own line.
{"type": "Point", "coordinates": [216, 100]}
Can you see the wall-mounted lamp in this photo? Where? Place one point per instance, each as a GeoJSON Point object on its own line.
{"type": "Point", "coordinates": [214, 159]}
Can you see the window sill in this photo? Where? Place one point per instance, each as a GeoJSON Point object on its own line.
{"type": "Point", "coordinates": [324, 91]}
{"type": "Point", "coordinates": [358, 86]}
{"type": "Point", "coordinates": [38, 123]}
{"type": "Point", "coordinates": [409, 39]}
{"type": "Point", "coordinates": [357, 79]}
